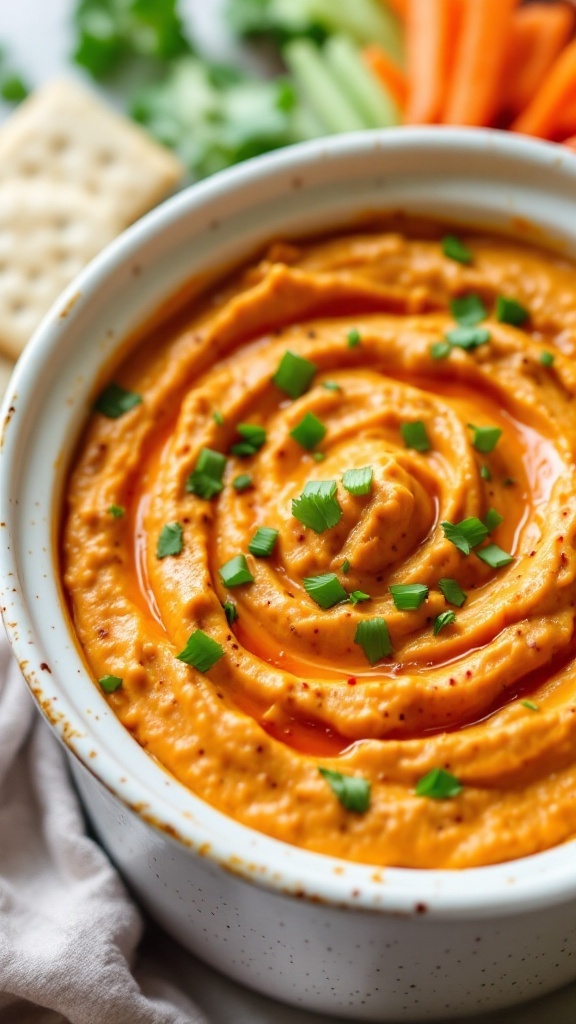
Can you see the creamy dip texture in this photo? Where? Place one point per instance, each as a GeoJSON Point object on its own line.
{"type": "Point", "coordinates": [390, 676]}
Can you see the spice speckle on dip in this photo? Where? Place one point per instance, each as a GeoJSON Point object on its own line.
{"type": "Point", "coordinates": [319, 547]}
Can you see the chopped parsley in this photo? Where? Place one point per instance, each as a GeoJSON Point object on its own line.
{"type": "Point", "coordinates": [358, 481]}
{"type": "Point", "coordinates": [353, 338]}
{"type": "Point", "coordinates": [415, 436]}
{"type": "Point", "coordinates": [352, 791]}
{"type": "Point", "coordinates": [493, 519]}
{"type": "Point", "coordinates": [373, 637]}
{"type": "Point", "coordinates": [438, 784]}
{"type": "Point", "coordinates": [547, 358]}
{"type": "Point", "coordinates": [230, 611]}
{"type": "Point", "coordinates": [465, 535]}
{"type": "Point", "coordinates": [206, 479]}
{"type": "Point", "coordinates": [440, 349]}
{"type": "Point", "coordinates": [110, 684]}
{"type": "Point", "coordinates": [218, 418]}
{"type": "Point", "coordinates": [454, 249]}
{"type": "Point", "coordinates": [530, 705]}
{"type": "Point", "coordinates": [452, 591]}
{"type": "Point", "coordinates": [331, 385]}
{"type": "Point", "coordinates": [357, 596]}
{"type": "Point", "coordinates": [263, 542]}
{"type": "Point", "coordinates": [170, 541]}
{"type": "Point", "coordinates": [509, 311]}
{"type": "Point", "coordinates": [468, 310]}
{"type": "Point", "coordinates": [443, 620]}
{"type": "Point", "coordinates": [235, 572]}
{"type": "Point", "coordinates": [309, 431]}
{"type": "Point", "coordinates": [242, 482]}
{"type": "Point", "coordinates": [253, 437]}
{"type": "Point", "coordinates": [326, 590]}
{"type": "Point", "coordinates": [494, 556]}
{"type": "Point", "coordinates": [485, 473]}
{"type": "Point", "coordinates": [485, 439]}
{"type": "Point", "coordinates": [117, 511]}
{"type": "Point", "coordinates": [294, 374]}
{"type": "Point", "coordinates": [115, 400]}
{"type": "Point", "coordinates": [318, 507]}
{"type": "Point", "coordinates": [408, 597]}
{"type": "Point", "coordinates": [201, 651]}
{"type": "Point", "coordinates": [468, 338]}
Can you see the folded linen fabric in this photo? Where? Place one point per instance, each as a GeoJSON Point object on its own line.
{"type": "Point", "coordinates": [68, 929]}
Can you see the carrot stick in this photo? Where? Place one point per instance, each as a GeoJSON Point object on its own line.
{"type": "Point", "coordinates": [543, 115]}
{"type": "Point", "coordinates": [387, 72]}
{"type": "Point", "coordinates": [537, 35]}
{"type": "Point", "coordinates": [427, 48]}
{"type": "Point", "coordinates": [474, 90]}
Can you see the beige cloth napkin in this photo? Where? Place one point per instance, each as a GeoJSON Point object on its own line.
{"type": "Point", "coordinates": [68, 929]}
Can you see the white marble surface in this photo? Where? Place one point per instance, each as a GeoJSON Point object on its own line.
{"type": "Point", "coordinates": [38, 37]}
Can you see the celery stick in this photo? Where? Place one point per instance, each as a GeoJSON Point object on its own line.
{"type": "Point", "coordinates": [305, 124]}
{"type": "Point", "coordinates": [368, 96]}
{"type": "Point", "coordinates": [321, 88]}
{"type": "Point", "coordinates": [365, 20]}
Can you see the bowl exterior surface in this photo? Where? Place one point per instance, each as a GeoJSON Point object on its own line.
{"type": "Point", "coordinates": [346, 939]}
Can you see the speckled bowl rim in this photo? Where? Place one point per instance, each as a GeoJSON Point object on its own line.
{"type": "Point", "coordinates": [122, 767]}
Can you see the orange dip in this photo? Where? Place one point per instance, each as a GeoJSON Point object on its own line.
{"type": "Point", "coordinates": [292, 691]}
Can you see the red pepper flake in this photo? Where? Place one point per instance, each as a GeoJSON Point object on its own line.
{"type": "Point", "coordinates": [352, 681]}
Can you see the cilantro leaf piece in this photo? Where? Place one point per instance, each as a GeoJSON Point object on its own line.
{"type": "Point", "coordinates": [493, 519]}
{"type": "Point", "coordinates": [309, 431]}
{"type": "Point", "coordinates": [201, 651]}
{"type": "Point", "coordinates": [235, 572]}
{"type": "Point", "coordinates": [358, 481]}
{"type": "Point", "coordinates": [415, 436]}
{"type": "Point", "coordinates": [443, 620]}
{"type": "Point", "coordinates": [110, 684]}
{"type": "Point", "coordinates": [353, 338]}
{"type": "Point", "coordinates": [373, 637]}
{"type": "Point", "coordinates": [408, 597]}
{"type": "Point", "coordinates": [318, 507]}
{"type": "Point", "coordinates": [468, 310]}
{"type": "Point", "coordinates": [485, 439]}
{"type": "Point", "coordinates": [109, 32]}
{"type": "Point", "coordinates": [467, 534]}
{"type": "Point", "coordinates": [326, 589]}
{"type": "Point", "coordinates": [170, 541]}
{"type": "Point", "coordinates": [115, 400]}
{"type": "Point", "coordinates": [440, 349]}
{"type": "Point", "coordinates": [117, 511]}
{"type": "Point", "coordinates": [452, 591]}
{"type": "Point", "coordinates": [455, 249]}
{"type": "Point", "coordinates": [438, 784]}
{"type": "Point", "coordinates": [294, 374]}
{"type": "Point", "coordinates": [467, 337]}
{"type": "Point", "coordinates": [509, 311]}
{"type": "Point", "coordinates": [546, 358]}
{"type": "Point", "coordinates": [242, 482]}
{"type": "Point", "coordinates": [357, 596]}
{"type": "Point", "coordinates": [206, 479]}
{"type": "Point", "coordinates": [352, 791]}
{"type": "Point", "coordinates": [530, 705]}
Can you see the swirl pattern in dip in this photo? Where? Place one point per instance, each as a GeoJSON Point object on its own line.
{"type": "Point", "coordinates": [487, 694]}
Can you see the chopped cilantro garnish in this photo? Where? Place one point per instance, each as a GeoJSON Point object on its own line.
{"type": "Point", "coordinates": [331, 385]}
{"type": "Point", "coordinates": [218, 418]}
{"type": "Point", "coordinates": [345, 566]}
{"type": "Point", "coordinates": [530, 705]}
{"type": "Point", "coordinates": [201, 651]}
{"type": "Point", "coordinates": [352, 791]}
{"type": "Point", "coordinates": [170, 541]}
{"type": "Point", "coordinates": [494, 556]}
{"type": "Point", "coordinates": [358, 596]}
{"type": "Point", "coordinates": [442, 620]}
{"type": "Point", "coordinates": [294, 374]}
{"type": "Point", "coordinates": [373, 637]}
{"type": "Point", "coordinates": [440, 349]}
{"type": "Point", "coordinates": [326, 590]}
{"type": "Point", "coordinates": [485, 439]}
{"type": "Point", "coordinates": [109, 31]}
{"type": "Point", "coordinates": [452, 591]}
{"type": "Point", "coordinates": [114, 401]}
{"type": "Point", "coordinates": [408, 597]}
{"type": "Point", "coordinates": [263, 542]}
{"type": "Point", "coordinates": [319, 456]}
{"type": "Point", "coordinates": [235, 572]}
{"type": "Point", "coordinates": [438, 784]}
{"type": "Point", "coordinates": [485, 473]}
{"type": "Point", "coordinates": [206, 479]}
{"type": "Point", "coordinates": [309, 431]}
{"type": "Point", "coordinates": [465, 535]}
{"type": "Point", "coordinates": [493, 519]}
{"type": "Point", "coordinates": [117, 511]}
{"type": "Point", "coordinates": [230, 611]}
{"type": "Point", "coordinates": [468, 338]}
{"type": "Point", "coordinates": [253, 437]}
{"type": "Point", "coordinates": [415, 436]}
{"type": "Point", "coordinates": [358, 481]}
{"type": "Point", "coordinates": [508, 311]}
{"type": "Point", "coordinates": [454, 249]}
{"type": "Point", "coordinates": [468, 310]}
{"type": "Point", "coordinates": [110, 683]}
{"type": "Point", "coordinates": [547, 358]}
{"type": "Point", "coordinates": [353, 338]}
{"type": "Point", "coordinates": [242, 482]}
{"type": "Point", "coordinates": [317, 506]}
{"type": "Point", "coordinates": [13, 88]}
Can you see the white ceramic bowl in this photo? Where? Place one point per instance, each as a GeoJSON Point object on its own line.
{"type": "Point", "coordinates": [314, 931]}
